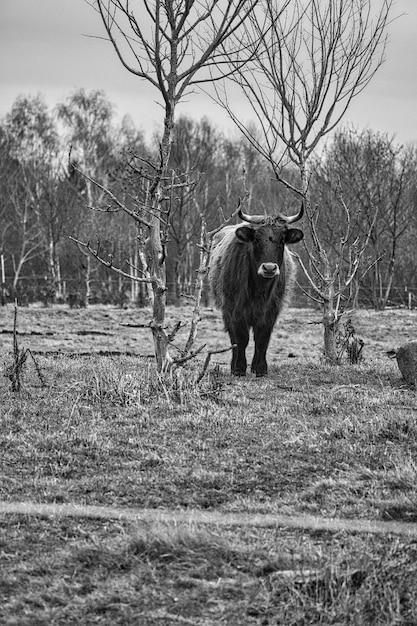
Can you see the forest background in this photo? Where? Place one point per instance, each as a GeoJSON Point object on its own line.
{"type": "Point", "coordinates": [45, 200]}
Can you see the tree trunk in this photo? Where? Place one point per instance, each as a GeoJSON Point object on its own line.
{"type": "Point", "coordinates": [157, 251]}
{"type": "Point", "coordinates": [53, 270]}
{"type": "Point", "coordinates": [387, 291]}
{"type": "Point", "coordinates": [145, 286]}
{"type": "Point", "coordinates": [326, 278]}
{"type": "Point", "coordinates": [355, 293]}
{"type": "Point", "coordinates": [87, 280]}
{"type": "Point", "coordinates": [205, 251]}
{"type": "Point", "coordinates": [60, 292]}
{"type": "Point", "coordinates": [330, 324]}
{"type": "Point", "coordinates": [3, 283]}
{"type": "Point", "coordinates": [379, 305]}
{"type": "Point", "coordinates": [177, 281]}
{"type": "Point", "coordinates": [391, 269]}
{"type": "Point", "coordinates": [17, 266]}
{"type": "Point", "coordinates": [134, 284]}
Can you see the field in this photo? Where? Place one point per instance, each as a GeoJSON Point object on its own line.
{"type": "Point", "coordinates": [309, 440]}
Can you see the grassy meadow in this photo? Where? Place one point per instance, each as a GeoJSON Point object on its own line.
{"type": "Point", "coordinates": [107, 430]}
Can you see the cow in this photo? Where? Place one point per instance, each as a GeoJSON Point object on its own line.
{"type": "Point", "coordinates": [251, 275]}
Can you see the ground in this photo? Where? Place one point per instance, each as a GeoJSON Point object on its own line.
{"type": "Point", "coordinates": [338, 442]}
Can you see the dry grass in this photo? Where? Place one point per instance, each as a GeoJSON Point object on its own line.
{"type": "Point", "coordinates": [58, 572]}
{"type": "Point", "coordinates": [106, 430]}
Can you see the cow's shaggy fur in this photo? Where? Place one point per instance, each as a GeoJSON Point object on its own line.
{"type": "Point", "coordinates": [246, 299]}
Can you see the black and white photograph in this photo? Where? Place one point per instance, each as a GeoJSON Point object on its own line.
{"type": "Point", "coordinates": [208, 312]}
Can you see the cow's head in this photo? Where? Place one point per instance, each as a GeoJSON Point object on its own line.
{"type": "Point", "coordinates": [269, 237]}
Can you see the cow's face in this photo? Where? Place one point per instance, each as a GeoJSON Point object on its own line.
{"type": "Point", "coordinates": [268, 243]}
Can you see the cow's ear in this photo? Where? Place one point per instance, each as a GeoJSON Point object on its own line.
{"type": "Point", "coordinates": [245, 233]}
{"type": "Point", "coordinates": [293, 235]}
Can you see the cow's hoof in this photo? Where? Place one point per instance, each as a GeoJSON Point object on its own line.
{"type": "Point", "coordinates": [261, 374]}
{"type": "Point", "coordinates": [238, 373]}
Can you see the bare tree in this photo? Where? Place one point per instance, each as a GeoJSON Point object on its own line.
{"type": "Point", "coordinates": [195, 151]}
{"type": "Point", "coordinates": [376, 176]}
{"type": "Point", "coordinates": [305, 64]}
{"type": "Point", "coordinates": [89, 131]}
{"type": "Point", "coordinates": [33, 147]}
{"type": "Point", "coordinates": [167, 43]}
{"type": "Point", "coordinates": [24, 224]}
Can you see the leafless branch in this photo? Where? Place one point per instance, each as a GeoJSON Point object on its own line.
{"type": "Point", "coordinates": [208, 359]}
{"type": "Point", "coordinates": [121, 206]}
{"type": "Point", "coordinates": [95, 253]}
{"type": "Point", "coordinates": [312, 58]}
{"type": "Point", "coordinates": [183, 359]}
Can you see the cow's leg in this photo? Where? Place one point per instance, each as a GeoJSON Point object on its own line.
{"type": "Point", "coordinates": [262, 335]}
{"type": "Point", "coordinates": [239, 336]}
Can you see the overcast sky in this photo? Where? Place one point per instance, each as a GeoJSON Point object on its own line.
{"type": "Point", "coordinates": [46, 47]}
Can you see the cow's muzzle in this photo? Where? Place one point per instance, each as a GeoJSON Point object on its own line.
{"type": "Point", "coordinates": [268, 270]}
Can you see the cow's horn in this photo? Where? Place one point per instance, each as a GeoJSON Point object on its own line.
{"type": "Point", "coordinates": [253, 219]}
{"type": "Point", "coordinates": [290, 219]}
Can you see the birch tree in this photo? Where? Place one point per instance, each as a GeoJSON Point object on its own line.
{"type": "Point", "coordinates": [305, 65]}
{"type": "Point", "coordinates": [33, 147]}
{"type": "Point", "coordinates": [87, 121]}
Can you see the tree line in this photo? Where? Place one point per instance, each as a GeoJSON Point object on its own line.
{"type": "Point", "coordinates": [52, 159]}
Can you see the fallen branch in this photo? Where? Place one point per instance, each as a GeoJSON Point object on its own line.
{"type": "Point", "coordinates": [208, 358]}
{"type": "Point", "coordinates": [188, 357]}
